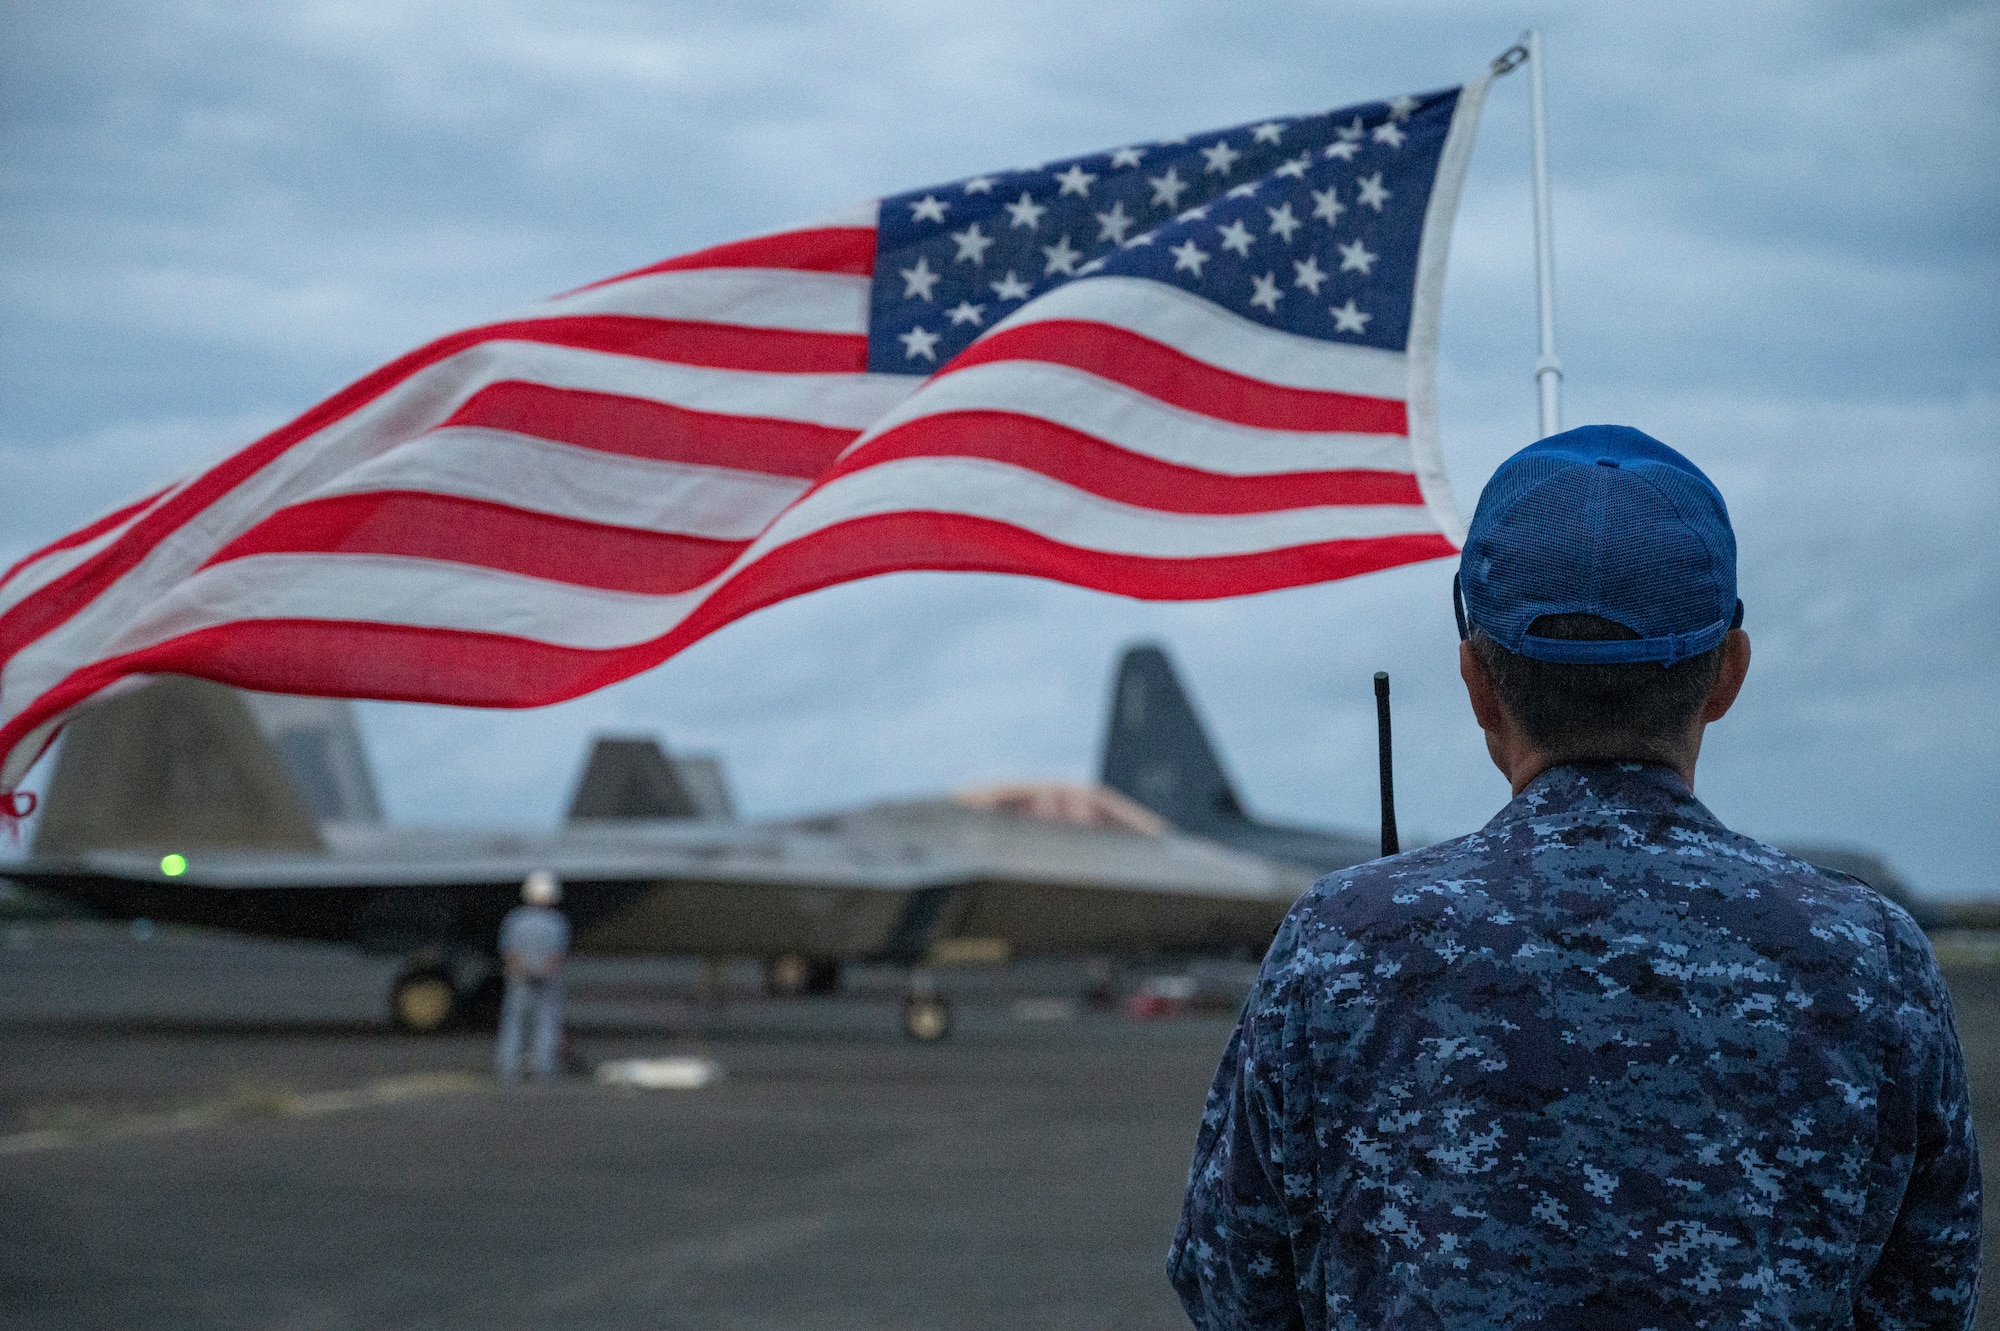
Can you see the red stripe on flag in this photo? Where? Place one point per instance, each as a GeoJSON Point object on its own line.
{"type": "Point", "coordinates": [1089, 463]}
{"type": "Point", "coordinates": [834, 249]}
{"type": "Point", "coordinates": [637, 427]}
{"type": "Point", "coordinates": [488, 535]}
{"type": "Point", "coordinates": [714, 346]}
{"type": "Point", "coordinates": [1176, 378]}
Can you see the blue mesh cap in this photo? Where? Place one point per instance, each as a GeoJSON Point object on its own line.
{"type": "Point", "coordinates": [1601, 520]}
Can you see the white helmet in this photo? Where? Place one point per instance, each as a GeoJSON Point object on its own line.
{"type": "Point", "coordinates": [541, 888]}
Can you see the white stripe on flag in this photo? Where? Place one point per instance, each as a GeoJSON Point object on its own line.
{"type": "Point", "coordinates": [1142, 424]}
{"type": "Point", "coordinates": [544, 476]}
{"type": "Point", "coordinates": [394, 589]}
{"type": "Point", "coordinates": [976, 487]}
{"type": "Point", "coordinates": [852, 401]}
{"type": "Point", "coordinates": [867, 213]}
{"type": "Point", "coordinates": [745, 297]}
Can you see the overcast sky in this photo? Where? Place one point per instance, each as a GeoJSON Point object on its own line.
{"type": "Point", "coordinates": [1777, 243]}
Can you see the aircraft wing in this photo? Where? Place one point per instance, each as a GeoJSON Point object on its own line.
{"type": "Point", "coordinates": [889, 848]}
{"type": "Point", "coordinates": [892, 881]}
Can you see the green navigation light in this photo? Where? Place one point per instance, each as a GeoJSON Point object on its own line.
{"type": "Point", "coordinates": [173, 866]}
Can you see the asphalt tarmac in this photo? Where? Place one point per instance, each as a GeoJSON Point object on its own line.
{"type": "Point", "coordinates": [176, 1151]}
{"type": "Point", "coordinates": [202, 1132]}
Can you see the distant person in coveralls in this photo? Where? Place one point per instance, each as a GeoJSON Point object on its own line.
{"type": "Point", "coordinates": [1604, 1063]}
{"type": "Point", "coordinates": [534, 942]}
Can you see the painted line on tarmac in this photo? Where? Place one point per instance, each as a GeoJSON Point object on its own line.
{"type": "Point", "coordinates": [252, 1103]}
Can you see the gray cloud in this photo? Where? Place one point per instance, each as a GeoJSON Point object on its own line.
{"type": "Point", "coordinates": [1776, 232]}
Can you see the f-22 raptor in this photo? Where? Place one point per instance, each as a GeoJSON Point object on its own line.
{"type": "Point", "coordinates": [186, 801]}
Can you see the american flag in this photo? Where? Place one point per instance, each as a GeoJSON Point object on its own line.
{"type": "Point", "coordinates": [1193, 368]}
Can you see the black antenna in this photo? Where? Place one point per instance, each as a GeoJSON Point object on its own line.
{"type": "Point", "coordinates": [1390, 845]}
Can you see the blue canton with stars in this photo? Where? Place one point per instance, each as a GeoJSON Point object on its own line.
{"type": "Point", "coordinates": [1310, 224]}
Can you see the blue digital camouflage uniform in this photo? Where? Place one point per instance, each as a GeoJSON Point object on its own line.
{"type": "Point", "coordinates": [1601, 1064]}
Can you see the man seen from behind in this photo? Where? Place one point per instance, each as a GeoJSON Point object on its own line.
{"type": "Point", "coordinates": [1603, 1063]}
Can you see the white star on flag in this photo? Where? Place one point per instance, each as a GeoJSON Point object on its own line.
{"type": "Point", "coordinates": [1011, 287]}
{"type": "Point", "coordinates": [1372, 193]}
{"type": "Point", "coordinates": [930, 208]}
{"type": "Point", "coordinates": [1062, 258]}
{"type": "Point", "coordinates": [1348, 319]}
{"type": "Point", "coordinates": [1167, 189]}
{"type": "Point", "coordinates": [1327, 204]}
{"type": "Point", "coordinates": [1113, 225]}
{"type": "Point", "coordinates": [1076, 181]}
{"type": "Point", "coordinates": [1236, 237]}
{"type": "Point", "coordinates": [1344, 150]}
{"type": "Point", "coordinates": [1268, 132]}
{"type": "Point", "coordinates": [1356, 258]}
{"type": "Point", "coordinates": [979, 185]}
{"type": "Point", "coordinates": [972, 244]}
{"type": "Point", "coordinates": [1310, 275]}
{"type": "Point", "coordinates": [965, 312]}
{"type": "Point", "coordinates": [1295, 168]}
{"type": "Point", "coordinates": [1386, 132]}
{"type": "Point", "coordinates": [1283, 223]}
{"type": "Point", "coordinates": [1127, 157]}
{"type": "Point", "coordinates": [1221, 157]}
{"type": "Point", "coordinates": [1188, 258]}
{"type": "Point", "coordinates": [918, 342]}
{"type": "Point", "coordinates": [1025, 211]}
{"type": "Point", "coordinates": [1266, 292]}
{"type": "Point", "coordinates": [918, 281]}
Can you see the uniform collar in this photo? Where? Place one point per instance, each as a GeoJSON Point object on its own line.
{"type": "Point", "coordinates": [1606, 788]}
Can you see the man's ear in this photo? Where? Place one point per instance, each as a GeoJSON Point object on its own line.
{"type": "Point", "coordinates": [1729, 679]}
{"type": "Point", "coordinates": [1479, 689]}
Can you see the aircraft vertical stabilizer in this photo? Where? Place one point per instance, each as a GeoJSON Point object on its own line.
{"type": "Point", "coordinates": [630, 778]}
{"type": "Point", "coordinates": [1157, 752]}
{"type": "Point", "coordinates": [178, 764]}
{"type": "Point", "coordinates": [320, 746]}
{"type": "Point", "coordinates": [702, 778]}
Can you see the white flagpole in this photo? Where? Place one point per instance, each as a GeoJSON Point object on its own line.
{"type": "Point", "coordinates": [1548, 370]}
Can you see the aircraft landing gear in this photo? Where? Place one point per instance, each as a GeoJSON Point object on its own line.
{"type": "Point", "coordinates": [423, 1000]}
{"type": "Point", "coordinates": [793, 976]}
{"type": "Point", "coordinates": [926, 1012]}
{"type": "Point", "coordinates": [435, 993]}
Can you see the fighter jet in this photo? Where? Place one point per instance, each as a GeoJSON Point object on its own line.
{"type": "Point", "coordinates": [187, 801]}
